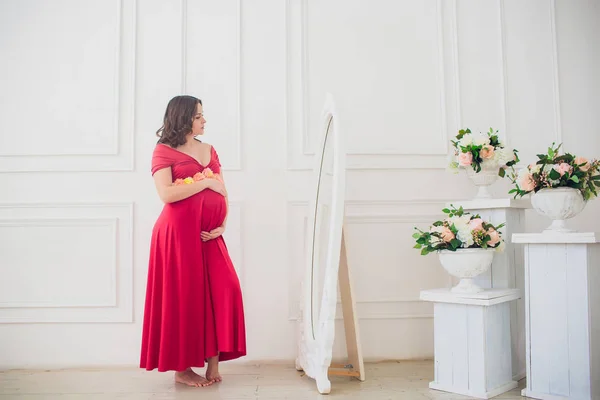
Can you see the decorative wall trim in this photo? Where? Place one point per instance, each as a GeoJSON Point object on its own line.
{"type": "Point", "coordinates": [369, 212]}
{"type": "Point", "coordinates": [75, 222]}
{"type": "Point", "coordinates": [555, 67]}
{"type": "Point", "coordinates": [119, 215]}
{"type": "Point", "coordinates": [504, 77]}
{"type": "Point", "coordinates": [237, 164]}
{"type": "Point", "coordinates": [117, 159]}
{"type": "Point", "coordinates": [297, 92]}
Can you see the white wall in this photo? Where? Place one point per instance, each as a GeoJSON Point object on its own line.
{"type": "Point", "coordinates": [84, 86]}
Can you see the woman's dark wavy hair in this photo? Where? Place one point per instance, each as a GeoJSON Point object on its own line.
{"type": "Point", "coordinates": [178, 119]}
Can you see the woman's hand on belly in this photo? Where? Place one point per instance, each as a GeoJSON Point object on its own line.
{"type": "Point", "coordinates": [215, 233]}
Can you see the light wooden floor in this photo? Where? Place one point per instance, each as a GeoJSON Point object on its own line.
{"type": "Point", "coordinates": [390, 380]}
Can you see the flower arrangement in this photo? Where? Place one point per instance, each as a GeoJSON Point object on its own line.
{"type": "Point", "coordinates": [459, 230]}
{"type": "Point", "coordinates": [483, 149]}
{"type": "Point", "coordinates": [554, 170]}
{"type": "Point", "coordinates": [207, 173]}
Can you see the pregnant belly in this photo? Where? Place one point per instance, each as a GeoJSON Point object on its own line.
{"type": "Point", "coordinates": [214, 210]}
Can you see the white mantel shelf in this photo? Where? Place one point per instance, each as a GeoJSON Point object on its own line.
{"type": "Point", "coordinates": [541, 238]}
{"type": "Point", "coordinates": [491, 203]}
{"type": "Point", "coordinates": [485, 298]}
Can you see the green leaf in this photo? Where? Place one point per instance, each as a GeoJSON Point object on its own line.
{"type": "Point", "coordinates": [416, 235]}
{"type": "Point", "coordinates": [455, 243]}
{"type": "Point", "coordinates": [575, 178]}
{"type": "Point", "coordinates": [424, 251]}
{"type": "Point", "coordinates": [417, 246]}
{"type": "Point", "coordinates": [512, 191]}
{"type": "Point", "coordinates": [554, 175]}
{"type": "Point", "coordinates": [446, 211]}
{"type": "Point", "coordinates": [501, 173]}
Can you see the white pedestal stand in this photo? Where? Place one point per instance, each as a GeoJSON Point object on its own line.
{"type": "Point", "coordinates": [472, 341]}
{"type": "Point", "coordinates": [507, 270]}
{"type": "Point", "coordinates": [562, 303]}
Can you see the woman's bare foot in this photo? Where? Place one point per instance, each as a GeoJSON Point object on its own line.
{"type": "Point", "coordinates": [190, 378]}
{"type": "Point", "coordinates": [212, 371]}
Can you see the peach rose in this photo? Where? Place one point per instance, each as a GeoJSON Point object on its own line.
{"type": "Point", "coordinates": [487, 152]}
{"type": "Point", "coordinates": [208, 173]}
{"type": "Point", "coordinates": [447, 234]}
{"type": "Point", "coordinates": [526, 182]}
{"type": "Point", "coordinates": [465, 159]}
{"type": "Point", "coordinates": [494, 237]}
{"type": "Point", "coordinates": [476, 224]}
{"type": "Point", "coordinates": [178, 182]}
{"type": "Point", "coordinates": [582, 160]}
{"type": "Point", "coordinates": [198, 176]}
{"type": "Point", "coordinates": [562, 168]}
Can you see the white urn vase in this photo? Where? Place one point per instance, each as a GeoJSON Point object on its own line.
{"type": "Point", "coordinates": [466, 264]}
{"type": "Point", "coordinates": [558, 204]}
{"type": "Point", "coordinates": [484, 178]}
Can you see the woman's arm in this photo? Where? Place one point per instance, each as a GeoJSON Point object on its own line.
{"type": "Point", "coordinates": [168, 193]}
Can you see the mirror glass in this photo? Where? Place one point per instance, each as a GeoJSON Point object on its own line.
{"type": "Point", "coordinates": [323, 224]}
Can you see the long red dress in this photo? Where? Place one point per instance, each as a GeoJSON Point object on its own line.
{"type": "Point", "coordinates": [194, 306]}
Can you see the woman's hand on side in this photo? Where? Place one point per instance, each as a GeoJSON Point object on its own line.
{"type": "Point", "coordinates": [215, 233]}
{"type": "Point", "coordinates": [217, 186]}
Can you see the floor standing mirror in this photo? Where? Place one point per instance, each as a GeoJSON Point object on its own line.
{"type": "Point", "coordinates": [326, 265]}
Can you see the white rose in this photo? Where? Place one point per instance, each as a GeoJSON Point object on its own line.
{"type": "Point", "coordinates": [536, 168]}
{"type": "Point", "coordinates": [481, 139]}
{"type": "Point", "coordinates": [502, 156]}
{"type": "Point", "coordinates": [460, 222]}
{"type": "Point", "coordinates": [466, 140]}
{"type": "Point", "coordinates": [465, 235]}
{"type": "Point", "coordinates": [548, 168]}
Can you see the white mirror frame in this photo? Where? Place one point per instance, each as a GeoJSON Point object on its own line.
{"type": "Point", "coordinates": [315, 345]}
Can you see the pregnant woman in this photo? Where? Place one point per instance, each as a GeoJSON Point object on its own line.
{"type": "Point", "coordinates": [194, 310]}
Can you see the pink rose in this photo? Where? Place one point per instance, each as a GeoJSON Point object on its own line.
{"type": "Point", "coordinates": [447, 234]}
{"type": "Point", "coordinates": [526, 182]}
{"type": "Point", "coordinates": [494, 237]}
{"type": "Point", "coordinates": [476, 224]}
{"type": "Point", "coordinates": [582, 160]}
{"type": "Point", "coordinates": [465, 159]}
{"type": "Point", "coordinates": [487, 152]}
{"type": "Point", "coordinates": [208, 173]}
{"type": "Point", "coordinates": [562, 168]}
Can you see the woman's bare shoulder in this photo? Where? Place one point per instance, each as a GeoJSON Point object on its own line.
{"type": "Point", "coordinates": [203, 145]}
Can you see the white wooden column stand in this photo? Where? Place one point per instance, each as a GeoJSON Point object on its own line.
{"type": "Point", "coordinates": [507, 270]}
{"type": "Point", "coordinates": [562, 304]}
{"type": "Point", "coordinates": [472, 341]}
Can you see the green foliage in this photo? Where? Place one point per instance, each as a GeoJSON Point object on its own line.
{"type": "Point", "coordinates": [554, 170]}
{"type": "Point", "coordinates": [449, 233]}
